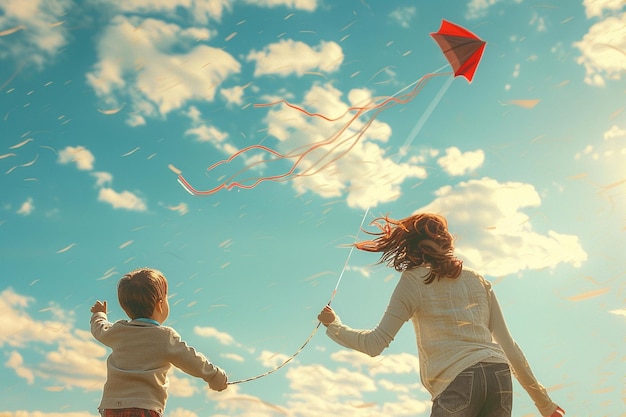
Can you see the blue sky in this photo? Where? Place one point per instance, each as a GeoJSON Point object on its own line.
{"type": "Point", "coordinates": [103, 102]}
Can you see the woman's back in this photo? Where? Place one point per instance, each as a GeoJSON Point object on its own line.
{"type": "Point", "coordinates": [451, 320]}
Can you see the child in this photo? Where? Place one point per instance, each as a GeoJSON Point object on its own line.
{"type": "Point", "coordinates": [143, 351]}
{"type": "Point", "coordinates": [456, 317]}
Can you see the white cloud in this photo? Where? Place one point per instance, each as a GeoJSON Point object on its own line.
{"type": "Point", "coordinates": [137, 64]}
{"type": "Point", "coordinates": [400, 363]}
{"type": "Point", "coordinates": [594, 8]}
{"type": "Point", "coordinates": [40, 30]}
{"type": "Point", "coordinates": [58, 313]}
{"type": "Point", "coordinates": [403, 15]}
{"type": "Point", "coordinates": [181, 208]}
{"type": "Point", "coordinates": [344, 157]}
{"type": "Point", "coordinates": [318, 391]}
{"type": "Point", "coordinates": [320, 381]}
{"type": "Point", "coordinates": [73, 359]}
{"type": "Point", "coordinates": [180, 384]}
{"type": "Point", "coordinates": [455, 162]}
{"type": "Point", "coordinates": [618, 312]}
{"type": "Point", "coordinates": [16, 363]}
{"type": "Point", "coordinates": [478, 8]}
{"type": "Point", "coordinates": [233, 357]}
{"type": "Point", "coordinates": [288, 57]}
{"type": "Point", "coordinates": [193, 113]}
{"type": "Point", "coordinates": [243, 405]}
{"type": "Point", "coordinates": [121, 200]}
{"type": "Point", "coordinates": [363, 270]}
{"type": "Point", "coordinates": [398, 387]}
{"type": "Point", "coordinates": [211, 134]}
{"type": "Point", "coordinates": [538, 21]}
{"type": "Point", "coordinates": [602, 49]}
{"type": "Point", "coordinates": [233, 95]}
{"type": "Point", "coordinates": [202, 11]}
{"type": "Point", "coordinates": [306, 5]}
{"type": "Point", "coordinates": [272, 359]}
{"type": "Point", "coordinates": [212, 332]}
{"type": "Point", "coordinates": [204, 133]}
{"type": "Point", "coordinates": [75, 366]}
{"type": "Point", "coordinates": [615, 132]}
{"type": "Point", "coordinates": [407, 406]}
{"type": "Point", "coordinates": [84, 161]}
{"type": "Point", "coordinates": [78, 155]}
{"type": "Point", "coordinates": [16, 327]}
{"type": "Point", "coordinates": [588, 150]}
{"type": "Point", "coordinates": [181, 412]}
{"type": "Point", "coordinates": [27, 207]}
{"type": "Point", "coordinates": [494, 235]}
{"type": "Point", "coordinates": [199, 12]}
{"type": "Point", "coordinates": [403, 363]}
{"type": "Point", "coordinates": [357, 359]}
{"type": "Point", "coordinates": [103, 178]}
{"type": "Point", "coordinates": [516, 71]}
{"type": "Point", "coordinates": [613, 146]}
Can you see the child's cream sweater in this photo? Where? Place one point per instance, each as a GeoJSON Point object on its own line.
{"type": "Point", "coordinates": [142, 354]}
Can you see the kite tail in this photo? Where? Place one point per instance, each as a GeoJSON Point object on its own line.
{"type": "Point", "coordinates": [297, 155]}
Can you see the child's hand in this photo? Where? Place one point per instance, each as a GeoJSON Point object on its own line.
{"type": "Point", "coordinates": [99, 307]}
{"type": "Point", "coordinates": [220, 381]}
{"type": "Point", "coordinates": [223, 386]}
{"type": "Point", "coordinates": [327, 316]}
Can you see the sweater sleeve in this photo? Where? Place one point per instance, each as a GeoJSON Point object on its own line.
{"type": "Point", "coordinates": [515, 356]}
{"type": "Point", "coordinates": [99, 326]}
{"type": "Point", "coordinates": [373, 342]}
{"type": "Point", "coordinates": [194, 363]}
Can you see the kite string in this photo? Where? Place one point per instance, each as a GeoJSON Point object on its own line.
{"type": "Point", "coordinates": [285, 362]}
{"type": "Point", "coordinates": [426, 115]}
{"type": "Point", "coordinates": [412, 135]}
{"type": "Point", "coordinates": [414, 132]}
{"type": "Point", "coordinates": [308, 339]}
{"type": "Point", "coordinates": [345, 265]}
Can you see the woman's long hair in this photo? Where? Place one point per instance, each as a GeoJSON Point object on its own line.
{"type": "Point", "coordinates": [421, 239]}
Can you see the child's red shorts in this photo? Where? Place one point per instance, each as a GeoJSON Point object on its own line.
{"type": "Point", "coordinates": [128, 412]}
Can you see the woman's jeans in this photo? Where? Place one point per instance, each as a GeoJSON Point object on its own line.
{"type": "Point", "coordinates": [482, 390]}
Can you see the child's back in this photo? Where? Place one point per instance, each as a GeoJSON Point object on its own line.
{"type": "Point", "coordinates": [143, 351]}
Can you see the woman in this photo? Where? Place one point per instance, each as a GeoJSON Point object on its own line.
{"type": "Point", "coordinates": [465, 349]}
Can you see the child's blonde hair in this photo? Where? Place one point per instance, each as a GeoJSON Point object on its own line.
{"type": "Point", "coordinates": [140, 290]}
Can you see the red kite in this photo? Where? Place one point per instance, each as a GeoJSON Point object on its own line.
{"type": "Point", "coordinates": [461, 48]}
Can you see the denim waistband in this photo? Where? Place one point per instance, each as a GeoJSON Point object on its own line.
{"type": "Point", "coordinates": [484, 364]}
